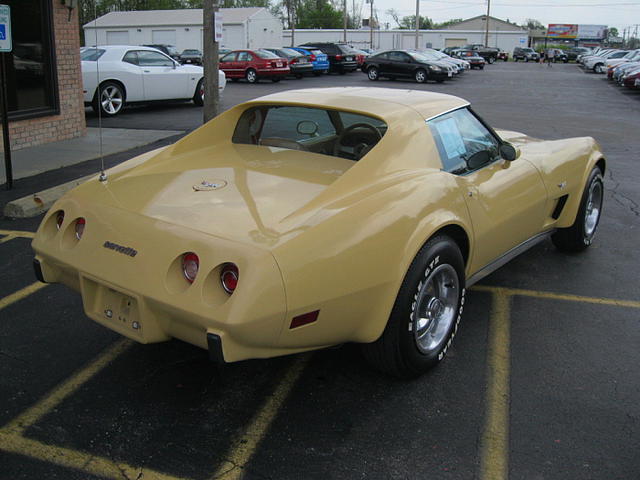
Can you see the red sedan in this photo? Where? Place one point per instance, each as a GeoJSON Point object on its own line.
{"type": "Point", "coordinates": [253, 65]}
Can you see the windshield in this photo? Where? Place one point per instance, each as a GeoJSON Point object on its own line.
{"type": "Point", "coordinates": [172, 50]}
{"type": "Point", "coordinates": [265, 54]}
{"type": "Point", "coordinates": [91, 54]}
{"type": "Point", "coordinates": [420, 57]}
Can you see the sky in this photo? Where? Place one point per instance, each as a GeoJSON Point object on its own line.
{"type": "Point", "coordinates": [613, 13]}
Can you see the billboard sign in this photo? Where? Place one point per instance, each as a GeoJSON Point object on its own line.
{"type": "Point", "coordinates": [592, 31]}
{"type": "Point", "coordinates": [562, 30]}
{"type": "Point", "coordinates": [572, 30]}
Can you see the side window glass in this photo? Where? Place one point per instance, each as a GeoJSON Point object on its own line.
{"type": "Point", "coordinates": [283, 122]}
{"type": "Point", "coordinates": [153, 59]}
{"type": "Point", "coordinates": [460, 135]}
{"type": "Point", "coordinates": [243, 57]}
{"type": "Point", "coordinates": [131, 57]}
{"type": "Point", "coordinates": [395, 56]}
{"type": "Point", "coordinates": [230, 57]}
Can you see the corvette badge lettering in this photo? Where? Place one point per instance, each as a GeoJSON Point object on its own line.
{"type": "Point", "coordinates": [120, 249]}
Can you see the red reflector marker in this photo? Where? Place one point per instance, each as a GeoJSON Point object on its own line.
{"type": "Point", "coordinates": [304, 319]}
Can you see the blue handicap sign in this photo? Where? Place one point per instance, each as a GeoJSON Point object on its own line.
{"type": "Point", "coordinates": [3, 31]}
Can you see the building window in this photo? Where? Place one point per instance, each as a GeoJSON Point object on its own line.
{"type": "Point", "coordinates": [31, 67]}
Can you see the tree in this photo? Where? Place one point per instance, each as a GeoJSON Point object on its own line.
{"type": "Point", "coordinates": [409, 23]}
{"type": "Point", "coordinates": [453, 21]}
{"type": "Point", "coordinates": [318, 14]}
{"type": "Point", "coordinates": [533, 24]}
{"type": "Point", "coordinates": [393, 13]}
{"type": "Point", "coordinates": [613, 32]}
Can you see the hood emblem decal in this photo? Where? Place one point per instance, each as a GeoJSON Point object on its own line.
{"type": "Point", "coordinates": [207, 186]}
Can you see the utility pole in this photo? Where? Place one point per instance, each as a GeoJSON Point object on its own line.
{"type": "Point", "coordinates": [344, 38]}
{"type": "Point", "coordinates": [210, 59]}
{"type": "Point", "coordinates": [486, 32]}
{"type": "Point", "coordinates": [417, 23]}
{"type": "Point", "coordinates": [292, 16]}
{"type": "Point", "coordinates": [371, 25]}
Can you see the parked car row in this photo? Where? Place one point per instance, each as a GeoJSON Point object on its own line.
{"type": "Point", "coordinates": [598, 59]}
{"type": "Point", "coordinates": [625, 71]}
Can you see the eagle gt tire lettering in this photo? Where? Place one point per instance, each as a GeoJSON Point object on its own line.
{"type": "Point", "coordinates": [426, 313]}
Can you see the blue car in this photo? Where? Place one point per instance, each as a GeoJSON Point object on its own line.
{"type": "Point", "coordinates": [319, 60]}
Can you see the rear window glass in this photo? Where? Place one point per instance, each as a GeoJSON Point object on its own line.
{"type": "Point", "coordinates": [266, 54]}
{"type": "Point", "coordinates": [91, 54]}
{"type": "Point", "coordinates": [317, 130]}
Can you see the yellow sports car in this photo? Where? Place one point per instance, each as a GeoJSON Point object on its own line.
{"type": "Point", "coordinates": [310, 218]}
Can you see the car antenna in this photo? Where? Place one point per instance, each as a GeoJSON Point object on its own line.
{"type": "Point", "coordinates": [103, 175]}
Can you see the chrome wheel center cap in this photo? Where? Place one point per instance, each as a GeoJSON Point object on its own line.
{"type": "Point", "coordinates": [434, 308]}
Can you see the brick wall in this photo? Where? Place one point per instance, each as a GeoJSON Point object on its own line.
{"type": "Point", "coordinates": [70, 123]}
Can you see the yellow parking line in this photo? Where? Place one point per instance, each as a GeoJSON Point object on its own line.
{"type": "Point", "coordinates": [7, 238]}
{"type": "Point", "coordinates": [52, 399]}
{"type": "Point", "coordinates": [244, 446]}
{"type": "Point", "coordinates": [494, 448]}
{"type": "Point", "coordinates": [20, 294]}
{"type": "Point", "coordinates": [75, 459]}
{"type": "Point", "coordinates": [18, 233]}
{"type": "Point", "coordinates": [560, 296]}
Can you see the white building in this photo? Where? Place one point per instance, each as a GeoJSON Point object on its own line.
{"type": "Point", "coordinates": [503, 35]}
{"type": "Point", "coordinates": [252, 27]}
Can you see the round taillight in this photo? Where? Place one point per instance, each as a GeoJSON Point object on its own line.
{"type": "Point", "coordinates": [190, 265]}
{"type": "Point", "coordinates": [80, 223]}
{"type": "Point", "coordinates": [229, 277]}
{"type": "Point", "coordinates": [59, 219]}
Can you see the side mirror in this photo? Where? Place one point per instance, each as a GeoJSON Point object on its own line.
{"type": "Point", "coordinates": [509, 152]}
{"type": "Point", "coordinates": [478, 159]}
{"type": "Point", "coordinates": [307, 127]}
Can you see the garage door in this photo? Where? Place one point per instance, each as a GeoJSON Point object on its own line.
{"type": "Point", "coordinates": [164, 37]}
{"type": "Point", "coordinates": [455, 42]}
{"type": "Point", "coordinates": [118, 37]}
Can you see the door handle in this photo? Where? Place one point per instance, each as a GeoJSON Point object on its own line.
{"type": "Point", "coordinates": [147, 71]}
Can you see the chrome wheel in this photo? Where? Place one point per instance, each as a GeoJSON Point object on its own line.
{"type": "Point", "coordinates": [373, 73]}
{"type": "Point", "coordinates": [111, 99]}
{"type": "Point", "coordinates": [421, 76]}
{"type": "Point", "coordinates": [252, 76]}
{"type": "Point", "coordinates": [594, 207]}
{"type": "Point", "coordinates": [436, 308]}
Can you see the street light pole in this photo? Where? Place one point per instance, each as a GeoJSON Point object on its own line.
{"type": "Point", "coordinates": [210, 61]}
{"type": "Point", "coordinates": [417, 22]}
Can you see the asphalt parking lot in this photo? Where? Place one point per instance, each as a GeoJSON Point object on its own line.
{"type": "Point", "coordinates": [542, 381]}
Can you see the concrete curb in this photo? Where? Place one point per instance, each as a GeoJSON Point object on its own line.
{"type": "Point", "coordinates": [38, 203]}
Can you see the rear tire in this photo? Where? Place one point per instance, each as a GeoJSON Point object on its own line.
{"type": "Point", "coordinates": [579, 236]}
{"type": "Point", "coordinates": [198, 96]}
{"type": "Point", "coordinates": [491, 60]}
{"type": "Point", "coordinates": [251, 75]}
{"type": "Point", "coordinates": [109, 98]}
{"type": "Point", "coordinates": [426, 312]}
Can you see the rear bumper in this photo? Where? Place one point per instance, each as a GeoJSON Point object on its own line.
{"type": "Point", "coordinates": [146, 298]}
{"type": "Point", "coordinates": [274, 72]}
{"type": "Point", "coordinates": [322, 66]}
{"type": "Point", "coordinates": [305, 68]}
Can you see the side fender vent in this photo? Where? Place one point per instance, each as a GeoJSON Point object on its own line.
{"type": "Point", "coordinates": [559, 207]}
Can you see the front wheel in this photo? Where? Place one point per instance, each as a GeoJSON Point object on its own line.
{"type": "Point", "coordinates": [491, 60]}
{"type": "Point", "coordinates": [109, 99]}
{"type": "Point", "coordinates": [198, 96]}
{"type": "Point", "coordinates": [420, 76]}
{"type": "Point", "coordinates": [579, 236]}
{"type": "Point", "coordinates": [599, 68]}
{"type": "Point", "coordinates": [372, 73]}
{"type": "Point", "coordinates": [426, 312]}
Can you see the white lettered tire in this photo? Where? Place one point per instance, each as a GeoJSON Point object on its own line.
{"type": "Point", "coordinates": [426, 313]}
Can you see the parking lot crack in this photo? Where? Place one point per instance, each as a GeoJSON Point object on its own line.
{"type": "Point", "coordinates": [622, 199]}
